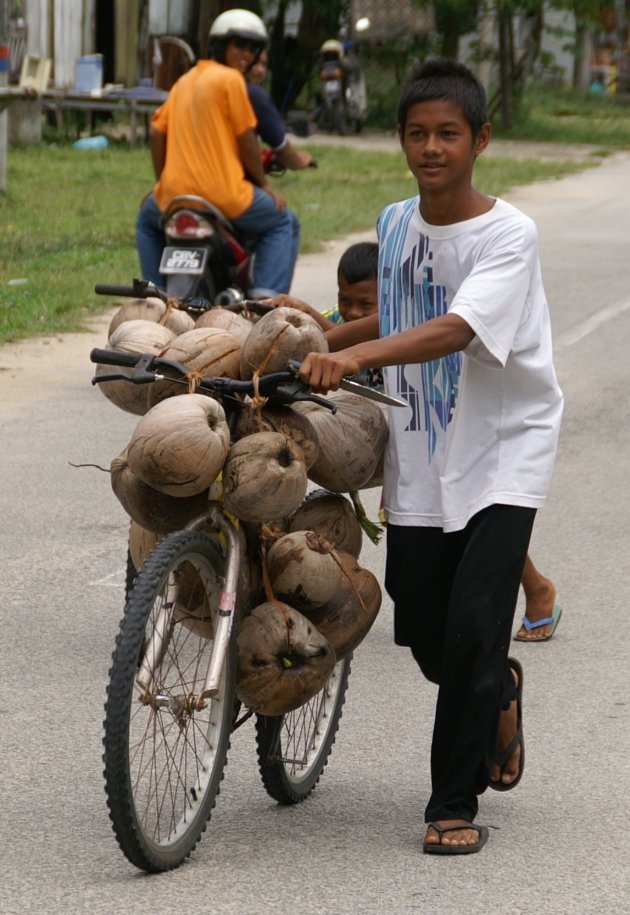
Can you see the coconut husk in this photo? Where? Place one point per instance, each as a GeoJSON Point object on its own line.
{"type": "Point", "coordinates": [132, 336]}
{"type": "Point", "coordinates": [225, 319]}
{"type": "Point", "coordinates": [281, 419]}
{"type": "Point", "coordinates": [303, 569]}
{"type": "Point", "coordinates": [278, 336]}
{"type": "Point", "coordinates": [331, 515]}
{"type": "Point", "coordinates": [150, 509]}
{"type": "Point", "coordinates": [204, 351]}
{"type": "Point", "coordinates": [283, 660]}
{"type": "Point", "coordinates": [351, 441]}
{"type": "Point", "coordinates": [264, 477]}
{"type": "Point", "coordinates": [141, 542]}
{"type": "Point", "coordinates": [152, 309]}
{"type": "Point", "coordinates": [180, 445]}
{"type": "Point", "coordinates": [348, 617]}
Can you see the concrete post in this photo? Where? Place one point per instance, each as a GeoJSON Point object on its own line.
{"type": "Point", "coordinates": [4, 82]}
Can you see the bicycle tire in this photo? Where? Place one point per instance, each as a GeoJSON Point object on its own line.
{"type": "Point", "coordinates": [164, 759]}
{"type": "Point", "coordinates": [293, 749]}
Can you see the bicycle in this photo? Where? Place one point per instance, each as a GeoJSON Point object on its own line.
{"type": "Point", "coordinates": [171, 701]}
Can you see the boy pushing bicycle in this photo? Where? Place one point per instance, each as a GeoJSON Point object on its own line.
{"type": "Point", "coordinates": [463, 333]}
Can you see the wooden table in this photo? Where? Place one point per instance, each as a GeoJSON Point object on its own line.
{"type": "Point", "coordinates": [133, 103]}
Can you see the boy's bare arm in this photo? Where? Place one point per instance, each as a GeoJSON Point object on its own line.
{"type": "Point", "coordinates": [352, 332]}
{"type": "Point", "coordinates": [287, 301]}
{"type": "Point", "coordinates": [436, 338]}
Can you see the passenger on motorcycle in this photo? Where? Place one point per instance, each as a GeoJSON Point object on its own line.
{"type": "Point", "coordinates": [203, 141]}
{"type": "Point", "coordinates": [271, 128]}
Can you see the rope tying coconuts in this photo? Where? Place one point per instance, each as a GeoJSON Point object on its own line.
{"type": "Point", "coordinates": [304, 602]}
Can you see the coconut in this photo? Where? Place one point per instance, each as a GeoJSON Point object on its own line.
{"type": "Point", "coordinates": [152, 309]}
{"type": "Point", "coordinates": [148, 507]}
{"type": "Point", "coordinates": [141, 542]}
{"type": "Point", "coordinates": [133, 336]}
{"type": "Point", "coordinates": [225, 319]}
{"type": "Point", "coordinates": [283, 419]}
{"type": "Point", "coordinates": [351, 441]}
{"type": "Point", "coordinates": [348, 617]}
{"type": "Point", "coordinates": [304, 569]}
{"type": "Point", "coordinates": [331, 515]}
{"type": "Point", "coordinates": [180, 445]}
{"type": "Point", "coordinates": [264, 477]}
{"type": "Point", "coordinates": [280, 335]}
{"type": "Point", "coordinates": [205, 351]}
{"type": "Point", "coordinates": [283, 660]}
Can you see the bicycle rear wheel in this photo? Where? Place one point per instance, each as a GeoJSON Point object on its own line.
{"type": "Point", "coordinates": [293, 749]}
{"type": "Point", "coordinates": [165, 751]}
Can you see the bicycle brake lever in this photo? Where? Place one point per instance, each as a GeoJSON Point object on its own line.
{"type": "Point", "coordinates": [134, 378]}
{"type": "Point", "coordinates": [298, 391]}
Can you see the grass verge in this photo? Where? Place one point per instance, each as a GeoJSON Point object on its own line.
{"type": "Point", "coordinates": [68, 219]}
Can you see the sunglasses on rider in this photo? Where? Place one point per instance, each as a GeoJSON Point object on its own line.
{"type": "Point", "coordinates": [246, 44]}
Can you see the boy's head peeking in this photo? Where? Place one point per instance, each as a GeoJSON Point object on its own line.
{"type": "Point", "coordinates": [445, 80]}
{"type": "Point", "coordinates": [357, 273]}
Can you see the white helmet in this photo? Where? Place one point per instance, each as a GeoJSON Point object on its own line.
{"type": "Point", "coordinates": [239, 24]}
{"type": "Point", "coordinates": [332, 46]}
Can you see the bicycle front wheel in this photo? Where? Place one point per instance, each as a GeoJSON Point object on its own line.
{"type": "Point", "coordinates": [293, 749]}
{"type": "Point", "coordinates": [165, 748]}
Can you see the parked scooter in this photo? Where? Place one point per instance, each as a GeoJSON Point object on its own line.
{"type": "Point", "coordinates": [205, 257]}
{"type": "Point", "coordinates": [344, 101]}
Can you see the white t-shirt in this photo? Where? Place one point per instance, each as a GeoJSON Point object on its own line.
{"type": "Point", "coordinates": [481, 427]}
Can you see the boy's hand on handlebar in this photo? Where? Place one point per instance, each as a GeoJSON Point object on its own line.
{"type": "Point", "coordinates": [323, 372]}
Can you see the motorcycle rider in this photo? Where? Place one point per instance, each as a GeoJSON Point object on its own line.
{"type": "Point", "coordinates": [203, 141]}
{"type": "Point", "coordinates": [342, 66]}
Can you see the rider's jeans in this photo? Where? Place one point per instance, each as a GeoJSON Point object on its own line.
{"type": "Point", "coordinates": [276, 234]}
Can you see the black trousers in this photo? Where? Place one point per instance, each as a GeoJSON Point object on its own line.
{"type": "Point", "coordinates": [454, 600]}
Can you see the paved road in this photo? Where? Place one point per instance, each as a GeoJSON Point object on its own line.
{"type": "Point", "coordinates": [562, 843]}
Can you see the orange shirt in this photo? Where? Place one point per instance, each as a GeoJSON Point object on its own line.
{"type": "Point", "coordinates": [206, 110]}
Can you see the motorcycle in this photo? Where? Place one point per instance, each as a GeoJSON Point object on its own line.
{"type": "Point", "coordinates": [343, 95]}
{"type": "Point", "coordinates": [205, 256]}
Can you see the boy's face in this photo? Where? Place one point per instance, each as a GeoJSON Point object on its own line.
{"type": "Point", "coordinates": [438, 143]}
{"type": "Point", "coordinates": [357, 300]}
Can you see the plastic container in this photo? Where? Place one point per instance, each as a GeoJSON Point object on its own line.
{"type": "Point", "coordinates": [98, 142]}
{"type": "Point", "coordinates": [88, 73]}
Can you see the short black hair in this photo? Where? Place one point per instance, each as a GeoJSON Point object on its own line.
{"type": "Point", "coordinates": [445, 79]}
{"type": "Point", "coordinates": [359, 262]}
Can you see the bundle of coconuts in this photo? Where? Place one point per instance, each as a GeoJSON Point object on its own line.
{"type": "Point", "coordinates": [308, 601]}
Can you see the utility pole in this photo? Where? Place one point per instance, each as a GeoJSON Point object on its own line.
{"type": "Point", "coordinates": [4, 82]}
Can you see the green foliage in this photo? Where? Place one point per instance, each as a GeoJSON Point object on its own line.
{"type": "Point", "coordinates": [570, 116]}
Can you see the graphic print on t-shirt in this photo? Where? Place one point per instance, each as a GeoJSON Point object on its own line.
{"type": "Point", "coordinates": [409, 299]}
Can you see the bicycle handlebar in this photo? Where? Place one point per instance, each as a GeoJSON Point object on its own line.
{"type": "Point", "coordinates": [282, 387]}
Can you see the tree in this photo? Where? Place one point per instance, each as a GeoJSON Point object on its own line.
{"type": "Point", "coordinates": [292, 59]}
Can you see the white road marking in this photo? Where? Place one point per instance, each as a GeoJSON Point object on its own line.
{"type": "Point", "coordinates": [112, 580]}
{"type": "Point", "coordinates": [577, 333]}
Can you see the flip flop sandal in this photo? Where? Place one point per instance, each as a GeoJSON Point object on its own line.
{"type": "Point", "coordinates": [552, 621]}
{"type": "Point", "coordinates": [436, 848]}
{"type": "Point", "coordinates": [501, 759]}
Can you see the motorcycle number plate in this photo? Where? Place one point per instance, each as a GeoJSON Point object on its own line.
{"type": "Point", "coordinates": [183, 260]}
{"type": "Point", "coordinates": [332, 86]}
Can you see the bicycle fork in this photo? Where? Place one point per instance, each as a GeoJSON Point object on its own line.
{"type": "Point", "coordinates": [156, 646]}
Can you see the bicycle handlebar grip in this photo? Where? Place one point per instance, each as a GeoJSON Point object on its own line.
{"type": "Point", "coordinates": [105, 289]}
{"type": "Point", "coordinates": [114, 357]}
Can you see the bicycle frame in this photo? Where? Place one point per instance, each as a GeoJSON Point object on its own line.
{"type": "Point", "coordinates": [227, 608]}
